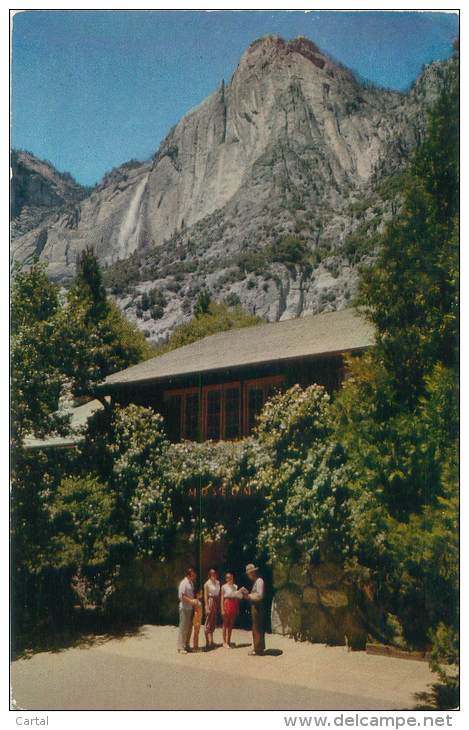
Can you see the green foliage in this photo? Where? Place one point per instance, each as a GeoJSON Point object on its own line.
{"type": "Point", "coordinates": [156, 311]}
{"type": "Point", "coordinates": [362, 242]}
{"type": "Point", "coordinates": [359, 207]}
{"type": "Point", "coordinates": [140, 451]}
{"type": "Point", "coordinates": [85, 544]}
{"type": "Point", "coordinates": [127, 447]}
{"type": "Point", "coordinates": [33, 297]}
{"type": "Point", "coordinates": [403, 494]}
{"type": "Point", "coordinates": [214, 471]}
{"type": "Point", "coordinates": [254, 261]}
{"type": "Point", "coordinates": [218, 318]}
{"type": "Point", "coordinates": [100, 339]}
{"type": "Point", "coordinates": [392, 186]}
{"type": "Point", "coordinates": [82, 522]}
{"type": "Point", "coordinates": [37, 377]}
{"type": "Point", "coordinates": [35, 477]}
{"type": "Point", "coordinates": [290, 250]}
{"type": "Point", "coordinates": [122, 275]}
{"type": "Point", "coordinates": [40, 595]}
{"type": "Point", "coordinates": [411, 293]}
{"type": "Point", "coordinates": [202, 305]}
{"type": "Point", "coordinates": [131, 492]}
{"type": "Point", "coordinates": [232, 300]}
{"type": "Point", "coordinates": [396, 417]}
{"type": "Point", "coordinates": [302, 474]}
{"type": "Point", "coordinates": [444, 661]}
{"type": "Point", "coordinates": [88, 288]}
{"type": "Point", "coordinates": [370, 479]}
{"type": "Point", "coordinates": [210, 464]}
{"type": "Point", "coordinates": [57, 352]}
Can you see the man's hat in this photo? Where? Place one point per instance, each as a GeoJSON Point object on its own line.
{"type": "Point", "coordinates": [251, 568]}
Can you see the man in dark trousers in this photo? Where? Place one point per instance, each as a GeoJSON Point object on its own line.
{"type": "Point", "coordinates": [256, 599]}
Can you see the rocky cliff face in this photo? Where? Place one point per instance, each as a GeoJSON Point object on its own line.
{"type": "Point", "coordinates": [38, 190]}
{"type": "Point", "coordinates": [269, 193]}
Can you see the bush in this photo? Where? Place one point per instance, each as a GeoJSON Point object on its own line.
{"type": "Point", "coordinates": [87, 542]}
{"type": "Point", "coordinates": [120, 276]}
{"type": "Point", "coordinates": [145, 302]}
{"type": "Point", "coordinates": [232, 300]}
{"type": "Point", "coordinates": [290, 250]}
{"type": "Point", "coordinates": [157, 298]}
{"type": "Point", "coordinates": [218, 318]}
{"type": "Point", "coordinates": [302, 474]}
{"type": "Point", "coordinates": [444, 660]}
{"type": "Point", "coordinates": [156, 312]}
{"type": "Point", "coordinates": [203, 302]}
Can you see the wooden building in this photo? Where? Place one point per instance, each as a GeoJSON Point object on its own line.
{"type": "Point", "coordinates": [214, 388]}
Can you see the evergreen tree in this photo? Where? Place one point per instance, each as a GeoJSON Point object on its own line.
{"type": "Point", "coordinates": [88, 287]}
{"type": "Point", "coordinates": [411, 293]}
{"type": "Point", "coordinates": [37, 377]}
{"type": "Point", "coordinates": [99, 338]}
{"type": "Point", "coordinates": [397, 414]}
{"type": "Point", "coordinates": [54, 349]}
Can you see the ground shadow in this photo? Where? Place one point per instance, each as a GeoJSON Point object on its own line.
{"type": "Point", "coordinates": [240, 646]}
{"type": "Point", "coordinates": [27, 646]}
{"type": "Point", "coordinates": [273, 652]}
{"type": "Point", "coordinates": [212, 647]}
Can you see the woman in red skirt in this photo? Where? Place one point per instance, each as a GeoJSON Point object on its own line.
{"type": "Point", "coordinates": [229, 608]}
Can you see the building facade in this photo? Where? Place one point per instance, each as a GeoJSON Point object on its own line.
{"type": "Point", "coordinates": [215, 388]}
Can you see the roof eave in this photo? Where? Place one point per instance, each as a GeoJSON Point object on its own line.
{"type": "Point", "coordinates": [109, 387]}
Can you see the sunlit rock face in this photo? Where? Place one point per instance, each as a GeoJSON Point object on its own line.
{"type": "Point", "coordinates": [293, 145]}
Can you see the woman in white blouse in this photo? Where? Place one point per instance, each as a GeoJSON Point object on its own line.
{"type": "Point", "coordinates": [229, 608]}
{"type": "Point", "coordinates": [211, 602]}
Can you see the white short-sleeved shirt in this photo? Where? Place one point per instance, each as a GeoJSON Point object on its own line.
{"type": "Point", "coordinates": [213, 587]}
{"type": "Point", "coordinates": [228, 591]}
{"type": "Point", "coordinates": [186, 588]}
{"type": "Point", "coordinates": [258, 588]}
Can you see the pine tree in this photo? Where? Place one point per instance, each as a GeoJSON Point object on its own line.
{"type": "Point", "coordinates": [37, 377]}
{"type": "Point", "coordinates": [411, 293]}
{"type": "Point", "coordinates": [88, 287]}
{"type": "Point", "coordinates": [397, 414]}
{"type": "Point", "coordinates": [98, 340]}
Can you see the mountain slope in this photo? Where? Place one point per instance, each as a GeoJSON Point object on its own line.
{"type": "Point", "coordinates": [37, 189]}
{"type": "Point", "coordinates": [264, 193]}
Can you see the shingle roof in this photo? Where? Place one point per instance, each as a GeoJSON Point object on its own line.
{"type": "Point", "coordinates": [309, 336]}
{"type": "Point", "coordinates": [78, 419]}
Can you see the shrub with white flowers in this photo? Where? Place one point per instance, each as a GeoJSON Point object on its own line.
{"type": "Point", "coordinates": [303, 477]}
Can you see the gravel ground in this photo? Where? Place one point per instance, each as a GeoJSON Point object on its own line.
{"type": "Point", "coordinates": [144, 671]}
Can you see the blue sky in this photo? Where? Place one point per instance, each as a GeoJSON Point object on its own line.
{"type": "Point", "coordinates": [92, 89]}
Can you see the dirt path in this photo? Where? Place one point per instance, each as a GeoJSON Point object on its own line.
{"type": "Point", "coordinates": [144, 671]}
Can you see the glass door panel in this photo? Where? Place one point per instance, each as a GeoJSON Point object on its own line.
{"type": "Point", "coordinates": [214, 414]}
{"type": "Point", "coordinates": [173, 406]}
{"type": "Point", "coordinates": [255, 403]}
{"type": "Point", "coordinates": [191, 426]}
{"type": "Point", "coordinates": [232, 413]}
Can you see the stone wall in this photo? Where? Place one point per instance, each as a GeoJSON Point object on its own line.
{"type": "Point", "coordinates": [316, 604]}
{"type": "Point", "coordinates": [147, 589]}
{"type": "Point", "coordinates": [319, 605]}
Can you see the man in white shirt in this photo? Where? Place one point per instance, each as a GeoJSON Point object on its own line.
{"type": "Point", "coordinates": [186, 609]}
{"type": "Point", "coordinates": [256, 599]}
